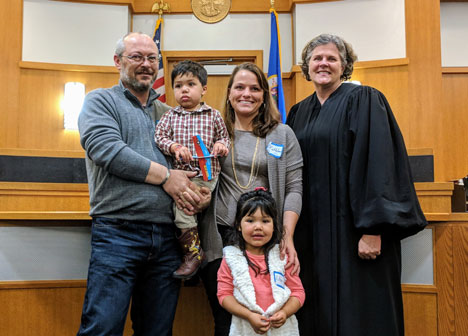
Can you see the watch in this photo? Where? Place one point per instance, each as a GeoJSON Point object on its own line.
{"type": "Point", "coordinates": [168, 174]}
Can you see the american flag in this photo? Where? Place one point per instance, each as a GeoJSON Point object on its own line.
{"type": "Point", "coordinates": [159, 83]}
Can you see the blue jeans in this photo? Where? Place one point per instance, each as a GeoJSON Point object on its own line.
{"type": "Point", "coordinates": [131, 260]}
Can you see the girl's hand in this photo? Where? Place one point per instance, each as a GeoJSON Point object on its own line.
{"type": "Point", "coordinates": [278, 319]}
{"type": "Point", "coordinates": [259, 323]}
{"type": "Point", "coordinates": [219, 150]}
{"type": "Point", "coordinates": [181, 153]}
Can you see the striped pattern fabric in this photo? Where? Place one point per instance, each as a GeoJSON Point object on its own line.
{"type": "Point", "coordinates": [158, 85]}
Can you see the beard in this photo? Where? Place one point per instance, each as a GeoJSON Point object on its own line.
{"type": "Point", "coordinates": [132, 82]}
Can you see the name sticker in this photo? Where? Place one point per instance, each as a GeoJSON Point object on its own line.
{"type": "Point", "coordinates": [279, 279]}
{"type": "Point", "coordinates": [275, 150]}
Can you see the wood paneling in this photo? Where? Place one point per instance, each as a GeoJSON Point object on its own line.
{"type": "Point", "coordinates": [32, 199]}
{"type": "Point", "coordinates": [40, 312]}
{"type": "Point", "coordinates": [445, 279]}
{"type": "Point", "coordinates": [237, 6]}
{"type": "Point", "coordinates": [54, 309]}
{"type": "Point", "coordinates": [460, 272]}
{"type": "Point", "coordinates": [435, 198]}
{"type": "Point", "coordinates": [455, 119]}
{"type": "Point", "coordinates": [420, 314]}
{"type": "Point", "coordinates": [423, 105]}
{"type": "Point", "coordinates": [39, 152]}
{"type": "Point", "coordinates": [10, 40]}
{"type": "Point", "coordinates": [68, 67]}
{"type": "Point", "coordinates": [184, 6]}
{"type": "Point", "coordinates": [41, 120]}
{"type": "Point", "coordinates": [455, 70]}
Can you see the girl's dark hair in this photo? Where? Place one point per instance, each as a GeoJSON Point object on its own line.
{"type": "Point", "coordinates": [268, 116]}
{"type": "Point", "coordinates": [248, 203]}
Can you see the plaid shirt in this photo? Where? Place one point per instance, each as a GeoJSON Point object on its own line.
{"type": "Point", "coordinates": [178, 126]}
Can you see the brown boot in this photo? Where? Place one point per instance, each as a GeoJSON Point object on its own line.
{"type": "Point", "coordinates": [193, 254]}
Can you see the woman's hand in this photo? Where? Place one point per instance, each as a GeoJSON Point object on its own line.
{"type": "Point", "coordinates": [278, 319]}
{"type": "Point", "coordinates": [259, 323]}
{"type": "Point", "coordinates": [287, 248]}
{"type": "Point", "coordinates": [287, 245]}
{"type": "Point", "coordinates": [369, 247]}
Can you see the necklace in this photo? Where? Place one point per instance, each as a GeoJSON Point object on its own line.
{"type": "Point", "coordinates": [252, 167]}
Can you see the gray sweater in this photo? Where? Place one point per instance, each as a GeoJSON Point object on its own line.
{"type": "Point", "coordinates": [282, 180]}
{"type": "Point", "coordinates": [117, 133]}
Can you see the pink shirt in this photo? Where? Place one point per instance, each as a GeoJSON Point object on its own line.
{"type": "Point", "coordinates": [261, 283]}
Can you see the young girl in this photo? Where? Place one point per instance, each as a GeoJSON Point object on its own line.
{"type": "Point", "coordinates": [253, 284]}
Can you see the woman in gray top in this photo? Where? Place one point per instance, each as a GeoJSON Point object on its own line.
{"type": "Point", "coordinates": [264, 153]}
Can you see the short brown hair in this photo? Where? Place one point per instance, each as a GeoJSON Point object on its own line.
{"type": "Point", "coordinates": [347, 55]}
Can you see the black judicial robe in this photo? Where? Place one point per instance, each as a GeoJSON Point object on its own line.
{"type": "Point", "coordinates": [357, 181]}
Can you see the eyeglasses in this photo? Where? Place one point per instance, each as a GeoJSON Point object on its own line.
{"type": "Point", "coordinates": [141, 58]}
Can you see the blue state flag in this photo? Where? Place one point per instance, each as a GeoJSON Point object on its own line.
{"type": "Point", "coordinates": [274, 66]}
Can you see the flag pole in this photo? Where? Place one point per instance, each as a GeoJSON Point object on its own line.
{"type": "Point", "coordinates": [159, 84]}
{"type": "Point", "coordinates": [160, 7]}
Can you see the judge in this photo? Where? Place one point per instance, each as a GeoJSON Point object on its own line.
{"type": "Point", "coordinates": [359, 200]}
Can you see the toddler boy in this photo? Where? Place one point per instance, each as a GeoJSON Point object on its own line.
{"type": "Point", "coordinates": [174, 133]}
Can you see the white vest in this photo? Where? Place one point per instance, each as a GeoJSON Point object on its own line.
{"type": "Point", "coordinates": [244, 292]}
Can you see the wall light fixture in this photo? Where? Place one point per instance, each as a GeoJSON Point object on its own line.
{"type": "Point", "coordinates": [72, 102]}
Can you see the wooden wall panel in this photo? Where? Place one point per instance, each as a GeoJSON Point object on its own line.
{"type": "Point", "coordinates": [425, 79]}
{"type": "Point", "coordinates": [40, 312]}
{"type": "Point", "coordinates": [237, 6]}
{"type": "Point", "coordinates": [420, 314]}
{"type": "Point", "coordinates": [184, 6]}
{"type": "Point", "coordinates": [57, 311]}
{"type": "Point", "coordinates": [460, 270]}
{"type": "Point", "coordinates": [41, 119]}
{"type": "Point", "coordinates": [445, 278]}
{"type": "Point", "coordinates": [393, 83]}
{"type": "Point", "coordinates": [43, 197]}
{"type": "Point", "coordinates": [454, 159]}
{"type": "Point", "coordinates": [10, 40]}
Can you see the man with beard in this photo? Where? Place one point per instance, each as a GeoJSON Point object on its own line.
{"type": "Point", "coordinates": [134, 250]}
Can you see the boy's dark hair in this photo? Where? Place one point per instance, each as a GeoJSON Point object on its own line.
{"type": "Point", "coordinates": [248, 203]}
{"type": "Point", "coordinates": [188, 66]}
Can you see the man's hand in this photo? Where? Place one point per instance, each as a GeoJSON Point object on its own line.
{"type": "Point", "coordinates": [181, 189]}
